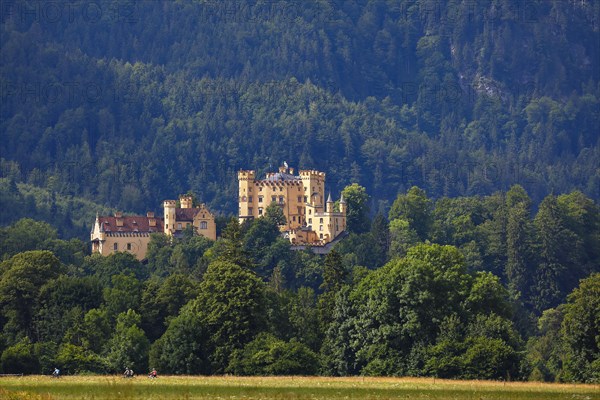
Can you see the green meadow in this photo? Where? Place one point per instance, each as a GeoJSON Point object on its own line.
{"type": "Point", "coordinates": [197, 387]}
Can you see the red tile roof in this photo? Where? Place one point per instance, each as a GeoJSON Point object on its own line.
{"type": "Point", "coordinates": [188, 214]}
{"type": "Point", "coordinates": [131, 223]}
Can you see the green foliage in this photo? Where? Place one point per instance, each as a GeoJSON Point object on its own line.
{"type": "Point", "coordinates": [334, 277]}
{"type": "Point", "coordinates": [231, 246]}
{"type": "Point", "coordinates": [415, 208]}
{"type": "Point", "coordinates": [20, 358]}
{"type": "Point", "coordinates": [182, 349]}
{"type": "Point", "coordinates": [20, 284]}
{"type": "Point", "coordinates": [274, 214]}
{"type": "Point", "coordinates": [94, 332]}
{"type": "Point", "coordinates": [58, 298]}
{"type": "Point", "coordinates": [357, 213]}
{"type": "Point", "coordinates": [70, 215]}
{"type": "Point", "coordinates": [162, 300]}
{"type": "Point", "coordinates": [402, 237]}
{"type": "Point", "coordinates": [402, 304]}
{"type": "Point", "coordinates": [488, 296]}
{"type": "Point", "coordinates": [74, 359]}
{"type": "Point", "coordinates": [263, 241]}
{"type": "Point", "coordinates": [304, 318]}
{"type": "Point", "coordinates": [487, 358]}
{"type": "Point", "coordinates": [580, 329]}
{"type": "Point", "coordinates": [26, 234]}
{"type": "Point", "coordinates": [558, 270]}
{"type": "Point", "coordinates": [545, 353]}
{"type": "Point", "coordinates": [124, 294]}
{"type": "Point", "coordinates": [267, 355]}
{"type": "Point", "coordinates": [128, 346]}
{"type": "Point", "coordinates": [119, 263]}
{"type": "Point", "coordinates": [230, 305]}
{"type": "Point", "coordinates": [519, 238]}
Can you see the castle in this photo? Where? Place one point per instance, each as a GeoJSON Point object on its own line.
{"type": "Point", "coordinates": [132, 233]}
{"type": "Point", "coordinates": [310, 220]}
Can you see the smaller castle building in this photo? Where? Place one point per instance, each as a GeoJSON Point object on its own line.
{"type": "Point", "coordinates": [176, 219]}
{"type": "Point", "coordinates": [124, 233]}
{"type": "Point", "coordinates": [132, 233]}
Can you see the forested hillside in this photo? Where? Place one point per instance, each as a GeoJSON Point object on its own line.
{"type": "Point", "coordinates": [129, 103]}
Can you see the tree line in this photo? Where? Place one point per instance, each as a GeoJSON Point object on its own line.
{"type": "Point", "coordinates": [471, 287]}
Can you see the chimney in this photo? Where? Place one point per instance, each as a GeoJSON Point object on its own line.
{"type": "Point", "coordinates": [119, 216]}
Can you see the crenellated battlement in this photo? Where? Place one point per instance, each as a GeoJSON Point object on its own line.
{"type": "Point", "coordinates": [312, 174]}
{"type": "Point", "coordinates": [246, 175]}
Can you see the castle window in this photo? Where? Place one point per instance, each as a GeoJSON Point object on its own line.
{"type": "Point", "coordinates": [128, 246]}
{"type": "Point", "coordinates": [280, 199]}
{"type": "Point", "coordinates": [115, 246]}
{"type": "Point", "coordinates": [306, 199]}
{"type": "Point", "coordinates": [203, 225]}
{"type": "Point", "coordinates": [250, 210]}
{"type": "Point", "coordinates": [321, 220]}
{"type": "Point", "coordinates": [299, 199]}
{"type": "Point", "coordinates": [309, 211]}
{"type": "Point", "coordinates": [273, 199]}
{"type": "Point", "coordinates": [260, 189]}
{"type": "Point", "coordinates": [249, 199]}
{"type": "Point", "coordinates": [179, 225]}
{"type": "Point", "coordinates": [310, 220]}
{"type": "Point", "coordinates": [321, 235]}
{"type": "Point", "coordinates": [260, 199]}
{"type": "Point", "coordinates": [260, 211]}
{"type": "Point", "coordinates": [320, 227]}
{"type": "Point", "coordinates": [166, 226]}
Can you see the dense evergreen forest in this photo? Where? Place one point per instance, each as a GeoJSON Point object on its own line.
{"type": "Point", "coordinates": [467, 287]}
{"type": "Point", "coordinates": [465, 136]}
{"type": "Point", "coordinates": [128, 103]}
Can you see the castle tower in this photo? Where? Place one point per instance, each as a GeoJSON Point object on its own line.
{"type": "Point", "coordinates": [170, 219]}
{"type": "Point", "coordinates": [246, 196]}
{"type": "Point", "coordinates": [342, 205]}
{"type": "Point", "coordinates": [185, 201]}
{"type": "Point", "coordinates": [314, 187]}
{"type": "Point", "coordinates": [329, 204]}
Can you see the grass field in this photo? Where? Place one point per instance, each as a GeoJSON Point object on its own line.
{"type": "Point", "coordinates": [196, 387]}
